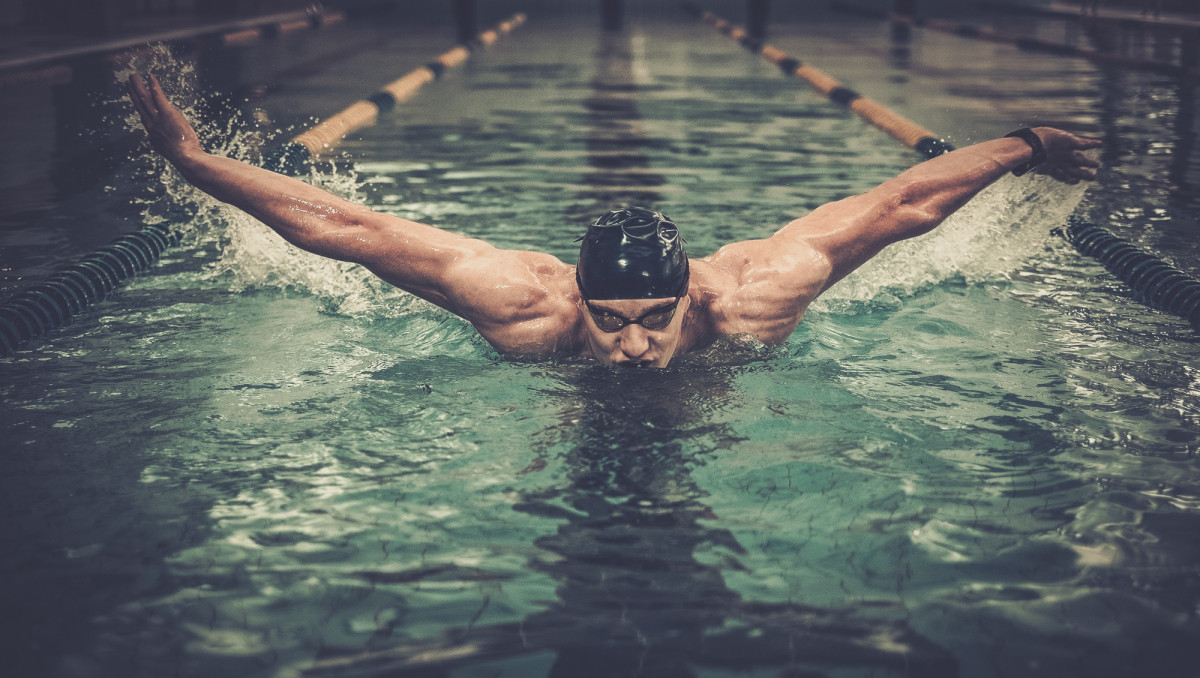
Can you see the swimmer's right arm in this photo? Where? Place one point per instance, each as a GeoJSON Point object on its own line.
{"type": "Point", "coordinates": [437, 265]}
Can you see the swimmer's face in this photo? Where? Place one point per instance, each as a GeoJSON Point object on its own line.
{"type": "Point", "coordinates": [635, 332]}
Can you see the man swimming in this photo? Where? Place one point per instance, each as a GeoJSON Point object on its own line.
{"type": "Point", "coordinates": [634, 298]}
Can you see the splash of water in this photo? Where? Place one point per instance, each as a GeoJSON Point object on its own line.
{"type": "Point", "coordinates": [249, 254]}
{"type": "Point", "coordinates": [990, 238]}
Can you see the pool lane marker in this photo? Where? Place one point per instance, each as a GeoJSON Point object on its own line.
{"type": "Point", "coordinates": [1154, 282]}
{"type": "Point", "coordinates": [50, 304]}
{"type": "Point", "coordinates": [1124, 18]}
{"type": "Point", "coordinates": [313, 20]}
{"type": "Point", "coordinates": [302, 149]}
{"type": "Point", "coordinates": [973, 32]}
{"type": "Point", "coordinates": [895, 125]}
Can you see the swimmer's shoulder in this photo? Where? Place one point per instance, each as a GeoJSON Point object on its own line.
{"type": "Point", "coordinates": [736, 300]}
{"type": "Point", "coordinates": [707, 319]}
{"type": "Point", "coordinates": [536, 312]}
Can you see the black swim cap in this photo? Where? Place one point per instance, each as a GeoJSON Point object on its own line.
{"type": "Point", "coordinates": [632, 253]}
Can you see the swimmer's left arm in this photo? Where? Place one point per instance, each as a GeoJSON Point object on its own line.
{"type": "Point", "coordinates": [772, 281]}
{"type": "Point", "coordinates": [849, 232]}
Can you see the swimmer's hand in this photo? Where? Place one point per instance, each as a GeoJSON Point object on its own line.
{"type": "Point", "coordinates": [1065, 158]}
{"type": "Point", "coordinates": [170, 133]}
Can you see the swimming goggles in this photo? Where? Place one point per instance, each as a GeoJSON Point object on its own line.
{"type": "Point", "coordinates": [654, 319]}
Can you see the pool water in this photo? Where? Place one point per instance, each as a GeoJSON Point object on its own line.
{"type": "Point", "coordinates": [976, 457]}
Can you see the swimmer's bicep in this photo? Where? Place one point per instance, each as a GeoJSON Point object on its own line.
{"type": "Point", "coordinates": [849, 232]}
{"type": "Point", "coordinates": [468, 277]}
{"type": "Point", "coordinates": [764, 310]}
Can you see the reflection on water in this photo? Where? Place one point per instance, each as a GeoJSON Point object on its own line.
{"type": "Point", "coordinates": [633, 600]}
{"type": "Point", "coordinates": [247, 460]}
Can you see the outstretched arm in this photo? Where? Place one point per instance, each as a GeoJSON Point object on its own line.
{"type": "Point", "coordinates": [851, 231]}
{"type": "Point", "coordinates": [772, 281]}
{"type": "Point", "coordinates": [306, 216]}
{"type": "Point", "coordinates": [494, 289]}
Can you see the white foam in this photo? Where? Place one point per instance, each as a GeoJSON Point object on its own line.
{"type": "Point", "coordinates": [251, 255]}
{"type": "Point", "coordinates": [990, 238]}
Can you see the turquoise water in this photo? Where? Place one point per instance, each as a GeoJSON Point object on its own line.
{"type": "Point", "coordinates": [977, 457]}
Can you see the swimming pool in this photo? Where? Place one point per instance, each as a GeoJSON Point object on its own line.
{"type": "Point", "coordinates": [977, 457]}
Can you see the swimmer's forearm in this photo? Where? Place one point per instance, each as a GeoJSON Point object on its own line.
{"type": "Point", "coordinates": [933, 190]}
{"type": "Point", "coordinates": [303, 214]}
{"type": "Point", "coordinates": [410, 255]}
{"type": "Point", "coordinates": [921, 198]}
{"type": "Point", "coordinates": [937, 188]}
{"type": "Point", "coordinates": [851, 231]}
{"type": "Point", "coordinates": [914, 202]}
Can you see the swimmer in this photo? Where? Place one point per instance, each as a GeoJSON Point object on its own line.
{"type": "Point", "coordinates": [634, 298]}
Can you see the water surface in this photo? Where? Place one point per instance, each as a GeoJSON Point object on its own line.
{"type": "Point", "coordinates": [975, 457]}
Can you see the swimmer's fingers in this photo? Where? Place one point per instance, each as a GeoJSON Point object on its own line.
{"type": "Point", "coordinates": [1070, 177]}
{"type": "Point", "coordinates": [160, 100]}
{"type": "Point", "coordinates": [170, 132]}
{"type": "Point", "coordinates": [1072, 173]}
{"type": "Point", "coordinates": [1066, 156]}
{"type": "Point", "coordinates": [1085, 167]}
{"type": "Point", "coordinates": [140, 98]}
{"type": "Point", "coordinates": [1082, 160]}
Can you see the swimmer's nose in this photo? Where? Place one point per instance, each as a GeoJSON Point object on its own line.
{"type": "Point", "coordinates": [634, 344]}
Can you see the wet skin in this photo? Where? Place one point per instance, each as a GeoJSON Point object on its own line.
{"type": "Point", "coordinates": [528, 304]}
{"type": "Point", "coordinates": [634, 345]}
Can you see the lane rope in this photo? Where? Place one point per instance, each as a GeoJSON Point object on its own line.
{"type": "Point", "coordinates": [1154, 282]}
{"type": "Point", "coordinates": [898, 127]}
{"type": "Point", "coordinates": [315, 19]}
{"type": "Point", "coordinates": [1124, 18]}
{"type": "Point", "coordinates": [296, 155]}
{"type": "Point", "coordinates": [52, 303]}
{"type": "Point", "coordinates": [239, 32]}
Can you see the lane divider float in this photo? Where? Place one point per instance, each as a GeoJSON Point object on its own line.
{"type": "Point", "coordinates": [1125, 18]}
{"type": "Point", "coordinates": [895, 125]}
{"type": "Point", "coordinates": [50, 65]}
{"type": "Point", "coordinates": [1156, 283]}
{"type": "Point", "coordinates": [295, 155]}
{"type": "Point", "coordinates": [316, 18]}
{"type": "Point", "coordinates": [50, 304]}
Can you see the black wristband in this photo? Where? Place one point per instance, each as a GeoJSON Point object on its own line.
{"type": "Point", "coordinates": [1039, 151]}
